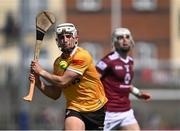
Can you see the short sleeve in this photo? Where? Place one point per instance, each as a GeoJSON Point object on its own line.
{"type": "Point", "coordinates": [80, 62]}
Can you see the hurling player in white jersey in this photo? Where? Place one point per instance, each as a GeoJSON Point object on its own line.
{"type": "Point", "coordinates": [116, 70]}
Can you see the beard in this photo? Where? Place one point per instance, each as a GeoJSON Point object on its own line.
{"type": "Point", "coordinates": [67, 50]}
{"type": "Point", "coordinates": [124, 49]}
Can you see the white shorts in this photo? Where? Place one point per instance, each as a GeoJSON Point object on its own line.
{"type": "Point", "coordinates": [114, 119]}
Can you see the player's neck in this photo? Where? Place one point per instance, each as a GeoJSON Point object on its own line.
{"type": "Point", "coordinates": [123, 54]}
{"type": "Point", "coordinates": [66, 53]}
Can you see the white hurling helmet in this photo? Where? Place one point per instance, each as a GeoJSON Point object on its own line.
{"type": "Point", "coordinates": [66, 28]}
{"type": "Point", "coordinates": [122, 32]}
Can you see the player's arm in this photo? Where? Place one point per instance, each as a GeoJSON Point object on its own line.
{"type": "Point", "coordinates": [57, 82]}
{"type": "Point", "coordinates": [49, 90]}
{"type": "Point", "coordinates": [140, 94]}
{"type": "Point", "coordinates": [101, 67]}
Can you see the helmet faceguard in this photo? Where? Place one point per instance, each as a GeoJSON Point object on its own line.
{"type": "Point", "coordinates": [122, 32]}
{"type": "Point", "coordinates": [67, 28]}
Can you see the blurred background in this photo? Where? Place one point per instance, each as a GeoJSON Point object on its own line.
{"type": "Point", "coordinates": [155, 25]}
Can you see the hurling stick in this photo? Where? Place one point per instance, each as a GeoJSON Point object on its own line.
{"type": "Point", "coordinates": [44, 21]}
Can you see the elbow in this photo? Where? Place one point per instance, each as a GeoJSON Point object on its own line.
{"type": "Point", "coordinates": [63, 84]}
{"type": "Point", "coordinates": [56, 95]}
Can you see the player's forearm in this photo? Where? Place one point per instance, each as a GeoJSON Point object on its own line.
{"type": "Point", "coordinates": [49, 90]}
{"type": "Point", "coordinates": [54, 79]}
{"type": "Point", "coordinates": [135, 91]}
{"type": "Point", "coordinates": [140, 94]}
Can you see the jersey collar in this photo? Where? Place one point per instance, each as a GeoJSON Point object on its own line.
{"type": "Point", "coordinates": [72, 53]}
{"type": "Point", "coordinates": [118, 55]}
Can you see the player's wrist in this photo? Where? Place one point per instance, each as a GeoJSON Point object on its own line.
{"type": "Point", "coordinates": [42, 73]}
{"type": "Point", "coordinates": [136, 91]}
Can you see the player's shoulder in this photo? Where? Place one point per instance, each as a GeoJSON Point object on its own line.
{"type": "Point", "coordinates": [113, 56]}
{"type": "Point", "coordinates": [82, 55]}
{"type": "Point", "coordinates": [82, 50]}
{"type": "Point", "coordinates": [108, 58]}
{"type": "Point", "coordinates": [130, 58]}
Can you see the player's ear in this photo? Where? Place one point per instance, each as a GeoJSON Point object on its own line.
{"type": "Point", "coordinates": [76, 39]}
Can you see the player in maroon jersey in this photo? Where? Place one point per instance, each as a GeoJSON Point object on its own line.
{"type": "Point", "coordinates": [116, 70]}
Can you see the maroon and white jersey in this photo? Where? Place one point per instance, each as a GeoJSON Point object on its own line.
{"type": "Point", "coordinates": [117, 74]}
